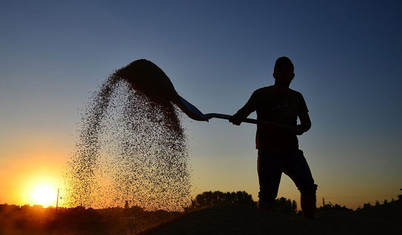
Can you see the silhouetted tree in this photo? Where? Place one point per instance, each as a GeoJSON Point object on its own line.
{"type": "Point", "coordinates": [286, 206]}
{"type": "Point", "coordinates": [366, 205]}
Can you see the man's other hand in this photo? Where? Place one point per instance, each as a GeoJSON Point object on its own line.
{"type": "Point", "coordinates": [236, 120]}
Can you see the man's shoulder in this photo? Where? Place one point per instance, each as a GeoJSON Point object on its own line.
{"type": "Point", "coordinates": [271, 89]}
{"type": "Point", "coordinates": [262, 90]}
{"type": "Point", "coordinates": [271, 92]}
{"type": "Point", "coordinates": [294, 92]}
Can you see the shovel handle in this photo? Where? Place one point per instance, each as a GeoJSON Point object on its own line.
{"type": "Point", "coordinates": [227, 117]}
{"type": "Point", "coordinates": [248, 120]}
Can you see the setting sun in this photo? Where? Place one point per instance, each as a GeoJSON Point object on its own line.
{"type": "Point", "coordinates": [44, 195]}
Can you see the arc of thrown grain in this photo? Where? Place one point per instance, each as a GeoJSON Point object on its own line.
{"type": "Point", "coordinates": [149, 80]}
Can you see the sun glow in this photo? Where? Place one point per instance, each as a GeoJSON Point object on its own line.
{"type": "Point", "coordinates": [44, 195]}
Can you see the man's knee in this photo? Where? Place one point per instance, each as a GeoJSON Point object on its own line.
{"type": "Point", "coordinates": [308, 189]}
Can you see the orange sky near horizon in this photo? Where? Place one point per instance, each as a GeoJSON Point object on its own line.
{"type": "Point", "coordinates": [37, 161]}
{"type": "Point", "coordinates": [37, 166]}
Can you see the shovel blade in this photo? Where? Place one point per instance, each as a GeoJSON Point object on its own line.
{"type": "Point", "coordinates": [189, 109]}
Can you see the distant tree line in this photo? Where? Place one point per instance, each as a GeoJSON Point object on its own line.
{"type": "Point", "coordinates": [336, 207]}
{"type": "Point", "coordinates": [216, 198]}
{"type": "Point", "coordinates": [377, 203]}
{"type": "Point", "coordinates": [282, 205]}
{"type": "Point", "coordinates": [210, 199]}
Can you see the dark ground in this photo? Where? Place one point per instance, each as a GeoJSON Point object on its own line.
{"type": "Point", "coordinates": [241, 219]}
{"type": "Point", "coordinates": [224, 219]}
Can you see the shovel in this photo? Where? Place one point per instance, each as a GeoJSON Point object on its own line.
{"type": "Point", "coordinates": [196, 114]}
{"type": "Point", "coordinates": [148, 79]}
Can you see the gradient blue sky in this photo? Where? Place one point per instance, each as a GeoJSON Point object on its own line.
{"type": "Point", "coordinates": [55, 54]}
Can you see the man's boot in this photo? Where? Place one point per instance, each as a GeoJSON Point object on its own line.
{"type": "Point", "coordinates": [308, 205]}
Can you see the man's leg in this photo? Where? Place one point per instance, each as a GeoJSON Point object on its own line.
{"type": "Point", "coordinates": [297, 169]}
{"type": "Point", "coordinates": [269, 175]}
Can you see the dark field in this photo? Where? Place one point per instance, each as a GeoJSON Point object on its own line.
{"type": "Point", "coordinates": [223, 219]}
{"type": "Point", "coordinates": [16, 220]}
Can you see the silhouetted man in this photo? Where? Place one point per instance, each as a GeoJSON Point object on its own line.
{"type": "Point", "coordinates": [278, 108]}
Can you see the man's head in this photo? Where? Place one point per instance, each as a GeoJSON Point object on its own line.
{"type": "Point", "coordinates": [283, 71]}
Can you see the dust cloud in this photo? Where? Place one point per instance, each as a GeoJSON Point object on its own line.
{"type": "Point", "coordinates": [131, 146]}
